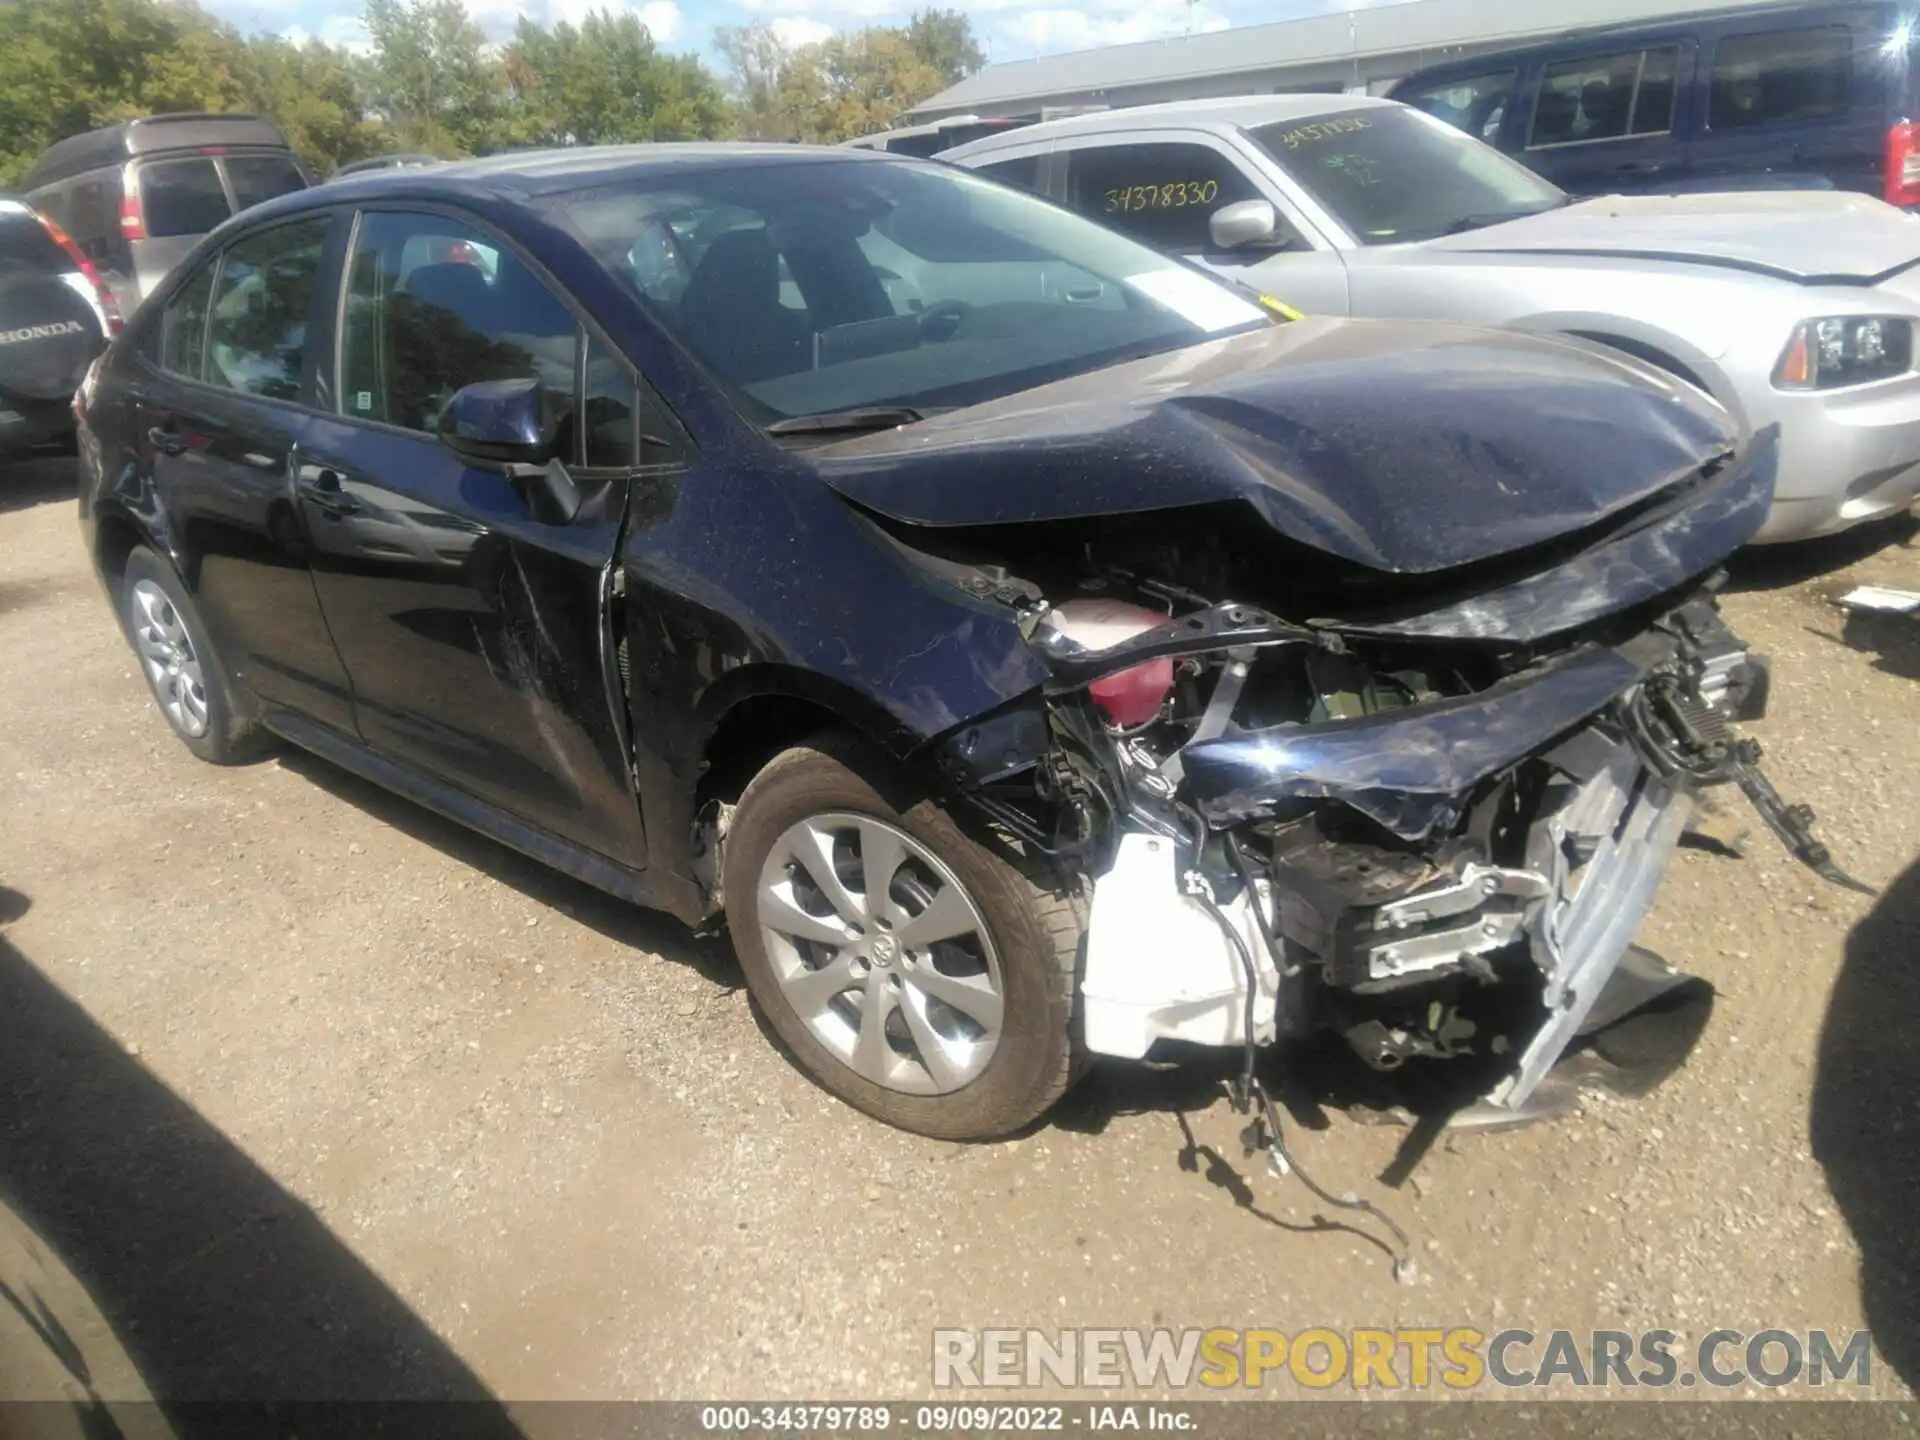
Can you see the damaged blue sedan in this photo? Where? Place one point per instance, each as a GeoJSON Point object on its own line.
{"type": "Point", "coordinates": [1030, 647]}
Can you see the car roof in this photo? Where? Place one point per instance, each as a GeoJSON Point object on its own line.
{"type": "Point", "coordinates": [149, 135]}
{"type": "Point", "coordinates": [1659, 27]}
{"type": "Point", "coordinates": [522, 175]}
{"type": "Point", "coordinates": [582, 167]}
{"type": "Point", "coordinates": [1224, 113]}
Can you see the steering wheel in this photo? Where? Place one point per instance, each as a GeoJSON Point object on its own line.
{"type": "Point", "coordinates": [942, 319]}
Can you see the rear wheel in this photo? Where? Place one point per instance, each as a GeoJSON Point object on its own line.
{"type": "Point", "coordinates": [181, 666]}
{"type": "Point", "coordinates": [918, 974]}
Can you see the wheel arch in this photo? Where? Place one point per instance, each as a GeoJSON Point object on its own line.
{"type": "Point", "coordinates": [757, 712]}
{"type": "Point", "coordinates": [117, 535]}
{"type": "Point", "coordinates": [1650, 344]}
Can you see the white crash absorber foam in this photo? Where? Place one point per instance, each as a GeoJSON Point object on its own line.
{"type": "Point", "coordinates": [1159, 966]}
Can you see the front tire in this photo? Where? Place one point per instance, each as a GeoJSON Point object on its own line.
{"type": "Point", "coordinates": [182, 668]}
{"type": "Point", "coordinates": [921, 976]}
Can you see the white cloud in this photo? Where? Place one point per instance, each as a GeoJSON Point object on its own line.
{"type": "Point", "coordinates": [1053, 30]}
{"type": "Point", "coordinates": [794, 31]}
{"type": "Point", "coordinates": [662, 19]}
{"type": "Point", "coordinates": [856, 11]}
{"type": "Point", "coordinates": [347, 33]}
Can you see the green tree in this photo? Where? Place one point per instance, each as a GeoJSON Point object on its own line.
{"type": "Point", "coordinates": [757, 62]}
{"type": "Point", "coordinates": [72, 65]}
{"type": "Point", "coordinates": [605, 81]}
{"type": "Point", "coordinates": [310, 90]}
{"type": "Point", "coordinates": [431, 78]}
{"type": "Point", "coordinates": [944, 39]}
{"type": "Point", "coordinates": [845, 86]}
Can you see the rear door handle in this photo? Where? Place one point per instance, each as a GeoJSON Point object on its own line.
{"type": "Point", "coordinates": [167, 439]}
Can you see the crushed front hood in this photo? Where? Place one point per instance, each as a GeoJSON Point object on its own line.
{"type": "Point", "coordinates": [1808, 236]}
{"type": "Point", "coordinates": [1402, 447]}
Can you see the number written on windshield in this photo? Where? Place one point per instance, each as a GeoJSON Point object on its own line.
{"type": "Point", "coordinates": [1129, 198]}
{"type": "Point", "coordinates": [1321, 130]}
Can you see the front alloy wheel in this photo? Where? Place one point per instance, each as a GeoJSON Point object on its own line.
{"type": "Point", "coordinates": [881, 952]}
{"type": "Point", "coordinates": [918, 972]}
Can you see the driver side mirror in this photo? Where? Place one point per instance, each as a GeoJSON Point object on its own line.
{"type": "Point", "coordinates": [1245, 225]}
{"type": "Point", "coordinates": [504, 422]}
{"type": "Point", "coordinates": [516, 426]}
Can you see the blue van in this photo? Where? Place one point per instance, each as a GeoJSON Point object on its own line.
{"type": "Point", "coordinates": [1789, 96]}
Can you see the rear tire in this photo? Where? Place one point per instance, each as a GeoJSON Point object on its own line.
{"type": "Point", "coordinates": [183, 670]}
{"type": "Point", "coordinates": [945, 1007]}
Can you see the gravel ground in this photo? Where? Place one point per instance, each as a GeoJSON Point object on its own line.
{"type": "Point", "coordinates": [318, 1094]}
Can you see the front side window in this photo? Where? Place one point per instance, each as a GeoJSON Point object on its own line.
{"type": "Point", "coordinates": [181, 197]}
{"type": "Point", "coordinates": [1023, 172]}
{"type": "Point", "coordinates": [829, 285]}
{"type": "Point", "coordinates": [1161, 194]}
{"type": "Point", "coordinates": [183, 326]}
{"type": "Point", "coordinates": [1392, 174]}
{"type": "Point", "coordinates": [1475, 104]}
{"type": "Point", "coordinates": [607, 416]}
{"type": "Point", "coordinates": [1780, 76]}
{"type": "Point", "coordinates": [263, 295]}
{"type": "Point", "coordinates": [434, 305]}
{"type": "Point", "coordinates": [1606, 97]}
{"type": "Point", "coordinates": [256, 178]}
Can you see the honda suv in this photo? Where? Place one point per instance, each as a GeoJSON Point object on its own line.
{"type": "Point", "coordinates": [55, 317]}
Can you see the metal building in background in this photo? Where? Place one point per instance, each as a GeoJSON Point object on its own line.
{"type": "Point", "coordinates": [1362, 50]}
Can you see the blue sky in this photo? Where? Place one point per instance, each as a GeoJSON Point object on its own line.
{"type": "Point", "coordinates": [1011, 29]}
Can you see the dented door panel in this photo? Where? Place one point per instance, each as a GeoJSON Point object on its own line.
{"type": "Point", "coordinates": [472, 631]}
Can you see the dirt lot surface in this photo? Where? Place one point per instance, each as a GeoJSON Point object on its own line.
{"type": "Point", "coordinates": [318, 1094]}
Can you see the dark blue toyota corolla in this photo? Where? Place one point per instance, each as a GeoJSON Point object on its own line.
{"type": "Point", "coordinates": [1029, 646]}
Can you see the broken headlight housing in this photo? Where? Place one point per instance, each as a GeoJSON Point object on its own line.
{"type": "Point", "coordinates": [1841, 350]}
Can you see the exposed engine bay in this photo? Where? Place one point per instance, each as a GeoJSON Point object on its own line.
{"type": "Point", "coordinates": [1439, 849]}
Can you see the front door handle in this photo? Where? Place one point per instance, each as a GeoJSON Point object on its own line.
{"type": "Point", "coordinates": [321, 486]}
{"type": "Point", "coordinates": [167, 439]}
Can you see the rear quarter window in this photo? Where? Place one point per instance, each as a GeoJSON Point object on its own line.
{"type": "Point", "coordinates": [257, 178]}
{"type": "Point", "coordinates": [181, 197]}
{"type": "Point", "coordinates": [1780, 76]}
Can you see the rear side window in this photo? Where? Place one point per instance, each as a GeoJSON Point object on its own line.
{"type": "Point", "coordinates": [183, 326]}
{"type": "Point", "coordinates": [1160, 193]}
{"type": "Point", "coordinates": [1473, 103]}
{"type": "Point", "coordinates": [261, 177]}
{"type": "Point", "coordinates": [1606, 97]}
{"type": "Point", "coordinates": [257, 336]}
{"type": "Point", "coordinates": [1024, 172]}
{"type": "Point", "coordinates": [93, 218]}
{"type": "Point", "coordinates": [1780, 76]}
{"type": "Point", "coordinates": [181, 197]}
{"type": "Point", "coordinates": [433, 305]}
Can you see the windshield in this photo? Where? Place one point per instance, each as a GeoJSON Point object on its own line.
{"type": "Point", "coordinates": [813, 288]}
{"type": "Point", "coordinates": [1393, 174]}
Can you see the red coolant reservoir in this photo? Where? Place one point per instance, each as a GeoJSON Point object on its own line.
{"type": "Point", "coordinates": [1132, 696]}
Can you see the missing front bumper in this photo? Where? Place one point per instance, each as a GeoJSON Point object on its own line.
{"type": "Point", "coordinates": [1162, 966]}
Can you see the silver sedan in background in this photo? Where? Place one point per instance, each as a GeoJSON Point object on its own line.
{"type": "Point", "coordinates": [1795, 307]}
